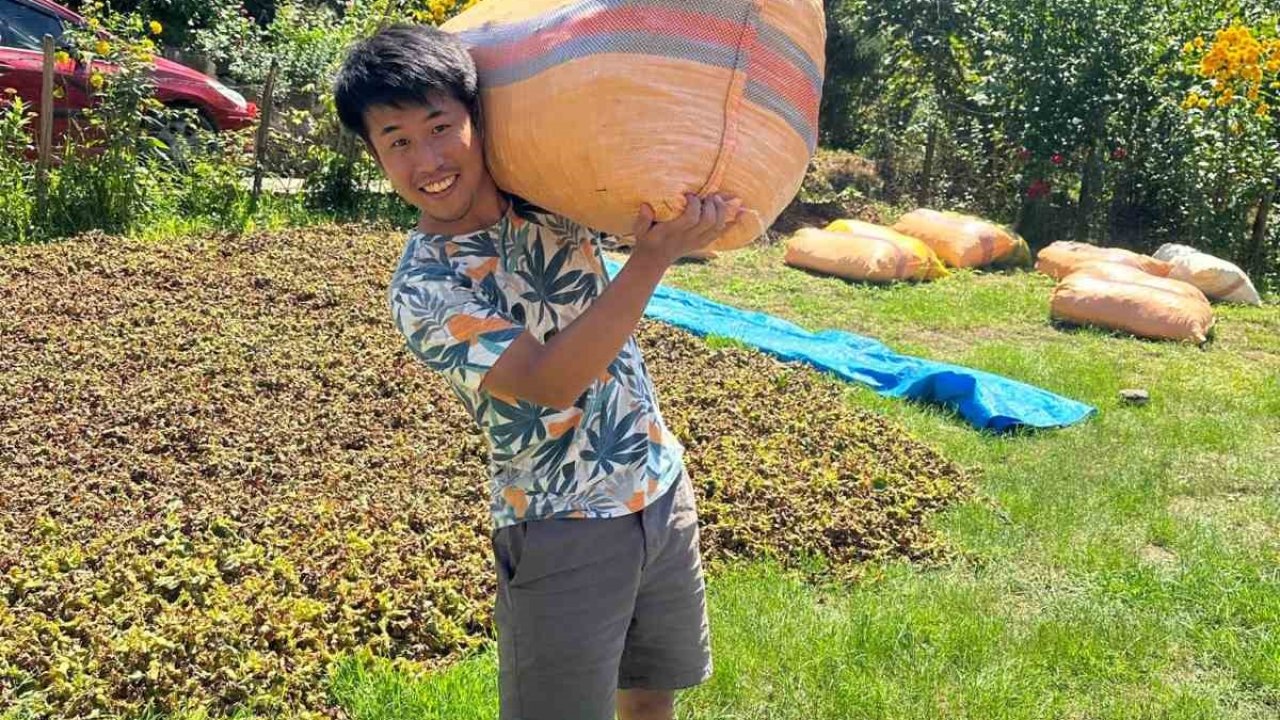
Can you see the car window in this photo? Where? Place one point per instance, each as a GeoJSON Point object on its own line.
{"type": "Point", "coordinates": [24, 27]}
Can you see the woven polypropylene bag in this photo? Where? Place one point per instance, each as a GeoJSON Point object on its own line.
{"type": "Point", "coordinates": [593, 107]}
{"type": "Point", "coordinates": [859, 250]}
{"type": "Point", "coordinates": [1217, 278]}
{"type": "Point", "coordinates": [964, 240]}
{"type": "Point", "coordinates": [1061, 258]}
{"type": "Point", "coordinates": [1122, 297]}
{"type": "Point", "coordinates": [871, 257]}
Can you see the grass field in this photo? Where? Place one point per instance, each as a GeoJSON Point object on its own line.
{"type": "Point", "coordinates": [1125, 568]}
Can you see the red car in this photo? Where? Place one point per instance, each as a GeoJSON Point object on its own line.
{"type": "Point", "coordinates": [23, 24]}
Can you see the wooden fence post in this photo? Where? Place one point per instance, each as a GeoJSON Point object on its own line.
{"type": "Point", "coordinates": [924, 193]}
{"type": "Point", "coordinates": [46, 113]}
{"type": "Point", "coordinates": [1090, 182]}
{"type": "Point", "coordinates": [264, 130]}
{"type": "Point", "coordinates": [1255, 258]}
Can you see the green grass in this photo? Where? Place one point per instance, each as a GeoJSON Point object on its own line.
{"type": "Point", "coordinates": [1128, 567]}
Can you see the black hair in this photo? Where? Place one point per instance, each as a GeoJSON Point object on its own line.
{"type": "Point", "coordinates": [403, 65]}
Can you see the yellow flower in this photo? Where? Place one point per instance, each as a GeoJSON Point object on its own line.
{"type": "Point", "coordinates": [96, 80]}
{"type": "Point", "coordinates": [61, 57]}
{"type": "Point", "coordinates": [1204, 103]}
{"type": "Point", "coordinates": [1199, 43]}
{"type": "Point", "coordinates": [155, 27]}
{"type": "Point", "coordinates": [102, 47]}
{"type": "Point", "coordinates": [1188, 48]}
{"type": "Point", "coordinates": [1236, 129]}
{"type": "Point", "coordinates": [93, 23]}
{"type": "Point", "coordinates": [1263, 109]}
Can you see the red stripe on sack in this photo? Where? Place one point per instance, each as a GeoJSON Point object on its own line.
{"type": "Point", "coordinates": [786, 80]}
{"type": "Point", "coordinates": [694, 26]}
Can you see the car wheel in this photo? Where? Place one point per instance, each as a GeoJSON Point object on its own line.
{"type": "Point", "coordinates": [185, 132]}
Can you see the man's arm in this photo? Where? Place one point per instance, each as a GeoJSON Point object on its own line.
{"type": "Point", "coordinates": [557, 373]}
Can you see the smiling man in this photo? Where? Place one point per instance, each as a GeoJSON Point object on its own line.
{"type": "Point", "coordinates": [600, 596]}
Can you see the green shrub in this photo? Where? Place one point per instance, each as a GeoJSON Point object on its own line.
{"type": "Point", "coordinates": [17, 175]}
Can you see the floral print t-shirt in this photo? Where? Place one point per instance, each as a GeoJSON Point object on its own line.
{"type": "Point", "coordinates": [461, 300]}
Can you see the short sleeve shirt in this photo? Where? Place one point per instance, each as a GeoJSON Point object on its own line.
{"type": "Point", "coordinates": [461, 300]}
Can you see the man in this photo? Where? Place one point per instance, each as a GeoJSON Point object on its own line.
{"type": "Point", "coordinates": [600, 592]}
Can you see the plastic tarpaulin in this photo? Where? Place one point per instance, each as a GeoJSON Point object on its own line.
{"type": "Point", "coordinates": [985, 400]}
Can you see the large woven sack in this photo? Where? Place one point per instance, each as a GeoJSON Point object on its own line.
{"type": "Point", "coordinates": [964, 240]}
{"type": "Point", "coordinates": [1059, 259]}
{"type": "Point", "coordinates": [1217, 278]}
{"type": "Point", "coordinates": [593, 107]}
{"type": "Point", "coordinates": [861, 251]}
{"type": "Point", "coordinates": [919, 257]}
{"type": "Point", "coordinates": [1121, 297]}
{"type": "Point", "coordinates": [1117, 272]}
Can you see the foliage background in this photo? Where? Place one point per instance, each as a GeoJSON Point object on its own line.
{"type": "Point", "coordinates": [1066, 118]}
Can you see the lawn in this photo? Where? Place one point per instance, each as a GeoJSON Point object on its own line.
{"type": "Point", "coordinates": [1128, 567]}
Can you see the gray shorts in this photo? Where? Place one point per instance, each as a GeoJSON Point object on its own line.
{"type": "Point", "coordinates": [589, 606]}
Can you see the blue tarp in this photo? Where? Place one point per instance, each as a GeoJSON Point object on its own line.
{"type": "Point", "coordinates": [987, 401]}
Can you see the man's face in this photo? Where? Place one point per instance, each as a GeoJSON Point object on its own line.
{"type": "Point", "coordinates": [433, 156]}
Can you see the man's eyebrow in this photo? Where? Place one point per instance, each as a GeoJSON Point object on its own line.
{"type": "Point", "coordinates": [434, 112]}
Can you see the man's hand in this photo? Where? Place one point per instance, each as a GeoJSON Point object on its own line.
{"type": "Point", "coordinates": [701, 222]}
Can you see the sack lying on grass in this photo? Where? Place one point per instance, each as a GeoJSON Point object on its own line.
{"type": "Point", "coordinates": [1061, 259]}
{"type": "Point", "coordinates": [1217, 278]}
{"type": "Point", "coordinates": [1121, 297]}
{"type": "Point", "coordinates": [861, 251]}
{"type": "Point", "coordinates": [964, 240]}
{"type": "Point", "coordinates": [595, 106]}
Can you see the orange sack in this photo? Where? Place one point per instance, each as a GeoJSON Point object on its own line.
{"type": "Point", "coordinates": [964, 240]}
{"type": "Point", "coordinates": [1121, 297]}
{"type": "Point", "coordinates": [857, 250]}
{"type": "Point", "coordinates": [594, 107]}
{"type": "Point", "coordinates": [1061, 258]}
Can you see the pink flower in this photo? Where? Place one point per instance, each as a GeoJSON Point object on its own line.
{"type": "Point", "coordinates": [1057, 159]}
{"type": "Point", "coordinates": [1038, 189]}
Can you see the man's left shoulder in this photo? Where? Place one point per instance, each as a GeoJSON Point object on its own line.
{"type": "Point", "coordinates": [554, 222]}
